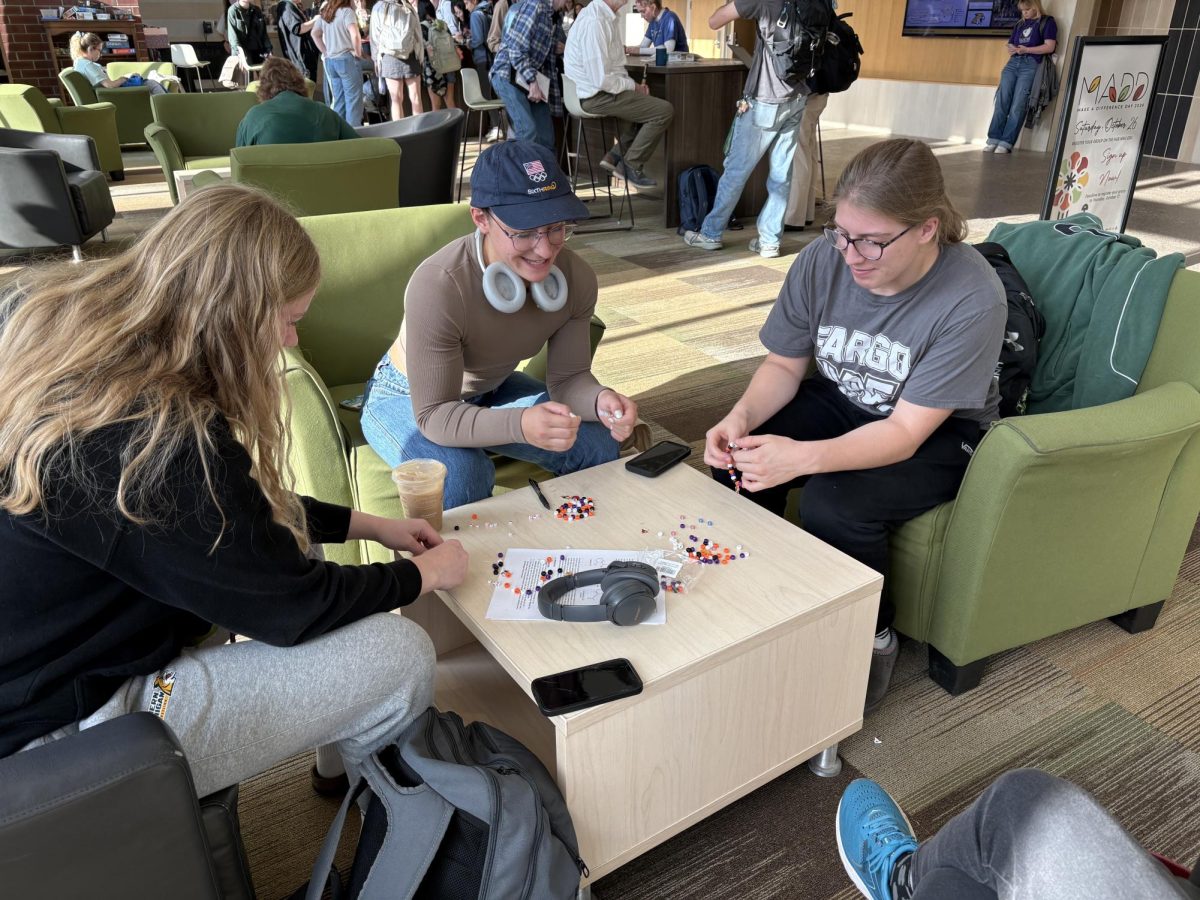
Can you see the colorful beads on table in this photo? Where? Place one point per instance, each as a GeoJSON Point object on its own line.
{"type": "Point", "coordinates": [576, 509]}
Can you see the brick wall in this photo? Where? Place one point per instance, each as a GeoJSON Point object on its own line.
{"type": "Point", "coordinates": [26, 50]}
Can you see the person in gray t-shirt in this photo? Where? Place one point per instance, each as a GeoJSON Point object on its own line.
{"type": "Point", "coordinates": [903, 323]}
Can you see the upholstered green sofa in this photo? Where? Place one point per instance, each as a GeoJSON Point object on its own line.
{"type": "Point", "coordinates": [1063, 519]}
{"type": "Point", "coordinates": [367, 259]}
{"type": "Point", "coordinates": [321, 178]}
{"type": "Point", "coordinates": [195, 131]}
{"type": "Point", "coordinates": [25, 108]}
{"type": "Point", "coordinates": [138, 67]}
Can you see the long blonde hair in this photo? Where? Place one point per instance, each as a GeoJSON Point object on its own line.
{"type": "Point", "coordinates": [182, 328]}
{"type": "Point", "coordinates": [81, 43]}
{"type": "Point", "coordinates": [901, 179]}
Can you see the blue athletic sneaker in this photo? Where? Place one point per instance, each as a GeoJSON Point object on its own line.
{"type": "Point", "coordinates": [872, 834]}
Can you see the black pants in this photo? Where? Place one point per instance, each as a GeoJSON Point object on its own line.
{"type": "Point", "coordinates": [855, 511]}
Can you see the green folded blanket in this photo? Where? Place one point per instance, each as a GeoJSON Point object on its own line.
{"type": "Point", "coordinates": [1102, 295]}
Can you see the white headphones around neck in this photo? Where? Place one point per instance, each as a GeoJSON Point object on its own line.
{"type": "Point", "coordinates": [505, 289]}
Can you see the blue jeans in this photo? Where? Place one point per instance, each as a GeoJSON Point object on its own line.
{"type": "Point", "coordinates": [530, 121]}
{"type": "Point", "coordinates": [345, 84]}
{"type": "Point", "coordinates": [1012, 99]}
{"type": "Point", "coordinates": [763, 127]}
{"type": "Point", "coordinates": [390, 426]}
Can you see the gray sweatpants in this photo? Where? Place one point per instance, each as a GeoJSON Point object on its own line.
{"type": "Point", "coordinates": [1031, 835]}
{"type": "Point", "coordinates": [239, 709]}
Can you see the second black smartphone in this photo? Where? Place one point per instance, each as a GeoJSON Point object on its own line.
{"type": "Point", "coordinates": [658, 458]}
{"type": "Point", "coordinates": [580, 688]}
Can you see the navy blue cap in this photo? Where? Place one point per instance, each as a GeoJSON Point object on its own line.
{"type": "Point", "coordinates": [520, 181]}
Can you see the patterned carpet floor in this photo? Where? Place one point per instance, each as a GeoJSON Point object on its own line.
{"type": "Point", "coordinates": [1113, 712]}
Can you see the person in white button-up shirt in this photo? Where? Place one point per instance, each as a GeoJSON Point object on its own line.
{"type": "Point", "coordinates": [595, 60]}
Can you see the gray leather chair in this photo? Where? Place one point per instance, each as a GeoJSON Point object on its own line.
{"type": "Point", "coordinates": [52, 191]}
{"type": "Point", "coordinates": [111, 812]}
{"type": "Point", "coordinates": [429, 145]}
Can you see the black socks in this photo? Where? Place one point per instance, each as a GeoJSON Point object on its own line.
{"type": "Point", "coordinates": [901, 878]}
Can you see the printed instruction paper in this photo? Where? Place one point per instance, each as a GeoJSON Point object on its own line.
{"type": "Point", "coordinates": [513, 603]}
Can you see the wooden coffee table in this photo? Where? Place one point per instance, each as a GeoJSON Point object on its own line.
{"type": "Point", "coordinates": [762, 665]}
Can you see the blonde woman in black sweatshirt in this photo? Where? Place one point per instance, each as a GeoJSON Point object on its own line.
{"type": "Point", "coordinates": [145, 504]}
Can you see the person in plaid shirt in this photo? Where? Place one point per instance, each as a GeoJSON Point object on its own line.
{"type": "Point", "coordinates": [531, 43]}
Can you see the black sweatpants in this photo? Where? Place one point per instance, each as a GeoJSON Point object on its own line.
{"type": "Point", "coordinates": [855, 511]}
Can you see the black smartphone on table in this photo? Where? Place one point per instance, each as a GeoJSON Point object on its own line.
{"type": "Point", "coordinates": [658, 458]}
{"type": "Point", "coordinates": [587, 686]}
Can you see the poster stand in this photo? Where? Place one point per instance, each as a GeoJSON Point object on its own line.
{"type": "Point", "coordinates": [1109, 99]}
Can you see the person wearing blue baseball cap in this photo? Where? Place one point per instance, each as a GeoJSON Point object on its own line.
{"type": "Point", "coordinates": [449, 389]}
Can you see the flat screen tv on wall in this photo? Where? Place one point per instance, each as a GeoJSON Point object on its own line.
{"type": "Point", "coordinates": [960, 18]}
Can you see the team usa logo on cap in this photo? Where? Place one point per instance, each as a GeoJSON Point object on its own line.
{"type": "Point", "coordinates": [536, 171]}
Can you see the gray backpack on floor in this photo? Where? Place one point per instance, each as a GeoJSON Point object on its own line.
{"type": "Point", "coordinates": [457, 812]}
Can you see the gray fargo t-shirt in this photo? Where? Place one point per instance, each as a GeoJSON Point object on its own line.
{"type": "Point", "coordinates": [934, 345]}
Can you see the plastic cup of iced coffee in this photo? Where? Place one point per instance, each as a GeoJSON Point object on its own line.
{"type": "Point", "coordinates": [420, 483]}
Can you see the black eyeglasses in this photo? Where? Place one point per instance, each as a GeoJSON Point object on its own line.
{"type": "Point", "coordinates": [555, 235]}
{"type": "Point", "coordinates": [867, 248]}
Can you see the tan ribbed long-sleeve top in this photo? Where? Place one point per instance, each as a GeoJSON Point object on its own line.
{"type": "Point", "coordinates": [453, 345]}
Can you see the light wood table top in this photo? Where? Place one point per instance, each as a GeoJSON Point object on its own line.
{"type": "Point", "coordinates": [787, 577]}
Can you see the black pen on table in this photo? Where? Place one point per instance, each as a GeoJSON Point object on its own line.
{"type": "Point", "coordinates": [537, 490]}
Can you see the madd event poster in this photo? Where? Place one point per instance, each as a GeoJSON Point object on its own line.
{"type": "Point", "coordinates": [1095, 164]}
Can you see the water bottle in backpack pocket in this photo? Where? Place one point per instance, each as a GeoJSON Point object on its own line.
{"type": "Point", "coordinates": [697, 193]}
{"type": "Point", "coordinates": [457, 812]}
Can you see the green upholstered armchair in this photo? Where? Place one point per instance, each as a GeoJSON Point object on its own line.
{"type": "Point", "coordinates": [131, 103]}
{"type": "Point", "coordinates": [25, 108]}
{"type": "Point", "coordinates": [367, 259]}
{"type": "Point", "coordinates": [322, 178]}
{"type": "Point", "coordinates": [1063, 518]}
{"type": "Point", "coordinates": [195, 131]}
{"type": "Point", "coordinates": [138, 67]}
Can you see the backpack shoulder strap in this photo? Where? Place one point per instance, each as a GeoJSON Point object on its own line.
{"type": "Point", "coordinates": [407, 852]}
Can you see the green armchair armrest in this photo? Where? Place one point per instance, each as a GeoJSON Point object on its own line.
{"type": "Point", "coordinates": [1063, 519]}
{"type": "Point", "coordinates": [166, 150]}
{"type": "Point", "coordinates": [317, 448]}
{"type": "Point", "coordinates": [99, 122]}
{"type": "Point", "coordinates": [207, 178]}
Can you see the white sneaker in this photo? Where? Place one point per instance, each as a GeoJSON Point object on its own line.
{"type": "Point", "coordinates": [766, 251]}
{"type": "Point", "coordinates": [492, 136]}
{"type": "Point", "coordinates": [700, 242]}
{"type": "Point", "coordinates": [1003, 150]}
{"type": "Point", "coordinates": [989, 148]}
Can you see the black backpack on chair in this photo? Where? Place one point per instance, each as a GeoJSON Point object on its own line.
{"type": "Point", "coordinates": [1022, 331]}
{"type": "Point", "coordinates": [840, 61]}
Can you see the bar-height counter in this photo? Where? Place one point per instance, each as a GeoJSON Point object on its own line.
{"type": "Point", "coordinates": [704, 94]}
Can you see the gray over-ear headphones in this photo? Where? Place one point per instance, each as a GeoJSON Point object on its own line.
{"type": "Point", "coordinates": [505, 289]}
{"type": "Point", "coordinates": [628, 592]}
